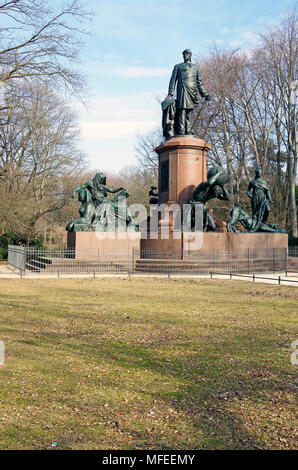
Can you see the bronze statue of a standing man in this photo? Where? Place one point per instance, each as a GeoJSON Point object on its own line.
{"type": "Point", "coordinates": [188, 80]}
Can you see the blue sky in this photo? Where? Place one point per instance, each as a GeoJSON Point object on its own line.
{"type": "Point", "coordinates": [129, 57]}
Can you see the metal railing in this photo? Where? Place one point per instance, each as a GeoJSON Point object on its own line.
{"type": "Point", "coordinates": [87, 261]}
{"type": "Point", "coordinates": [17, 257]}
{"type": "Point", "coordinates": [69, 260]}
{"type": "Point", "coordinates": [293, 251]}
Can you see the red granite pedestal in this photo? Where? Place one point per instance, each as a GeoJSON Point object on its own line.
{"type": "Point", "coordinates": [182, 166]}
{"type": "Point", "coordinates": [86, 245]}
{"type": "Point", "coordinates": [191, 245]}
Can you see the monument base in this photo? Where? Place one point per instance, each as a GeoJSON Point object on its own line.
{"type": "Point", "coordinates": [197, 244]}
{"type": "Point", "coordinates": [182, 166]}
{"type": "Point", "coordinates": [85, 244]}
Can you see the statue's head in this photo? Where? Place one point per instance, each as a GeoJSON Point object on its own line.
{"type": "Point", "coordinates": [186, 54]}
{"type": "Point", "coordinates": [217, 190]}
{"type": "Point", "coordinates": [99, 178]}
{"type": "Point", "coordinates": [258, 172]}
{"type": "Point", "coordinates": [218, 170]}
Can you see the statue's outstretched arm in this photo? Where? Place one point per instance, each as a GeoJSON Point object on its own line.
{"type": "Point", "coordinates": [116, 190]}
{"type": "Point", "coordinates": [214, 178]}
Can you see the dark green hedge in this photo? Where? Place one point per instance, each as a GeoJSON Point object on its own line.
{"type": "Point", "coordinates": [13, 239]}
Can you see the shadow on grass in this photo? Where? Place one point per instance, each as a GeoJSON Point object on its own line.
{"type": "Point", "coordinates": [206, 384]}
{"type": "Point", "coordinates": [207, 376]}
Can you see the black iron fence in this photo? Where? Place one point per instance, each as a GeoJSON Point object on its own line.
{"type": "Point", "coordinates": [293, 251]}
{"type": "Point", "coordinates": [47, 260]}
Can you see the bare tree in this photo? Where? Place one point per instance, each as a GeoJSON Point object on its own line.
{"type": "Point", "coordinates": [221, 123]}
{"type": "Point", "coordinates": [145, 153]}
{"type": "Point", "coordinates": [280, 54]}
{"type": "Point", "coordinates": [39, 150]}
{"type": "Point", "coordinates": [41, 41]}
{"type": "Point", "coordinates": [251, 119]}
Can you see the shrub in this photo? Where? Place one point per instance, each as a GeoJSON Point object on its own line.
{"type": "Point", "coordinates": [13, 239]}
{"type": "Point", "coordinates": [3, 253]}
{"type": "Point", "coordinates": [293, 241]}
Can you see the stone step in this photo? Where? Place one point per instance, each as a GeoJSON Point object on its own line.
{"type": "Point", "coordinates": [162, 262]}
{"type": "Point", "coordinates": [292, 262]}
{"type": "Point", "coordinates": [32, 267]}
{"type": "Point", "coordinates": [166, 265]}
{"type": "Point", "coordinates": [74, 266]}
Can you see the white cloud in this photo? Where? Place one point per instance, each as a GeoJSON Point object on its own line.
{"type": "Point", "coordinates": [225, 30]}
{"type": "Point", "coordinates": [132, 72]}
{"type": "Point", "coordinates": [213, 41]}
{"type": "Point", "coordinates": [110, 155]}
{"type": "Point", "coordinates": [245, 39]}
{"type": "Point", "coordinates": [115, 68]}
{"type": "Point", "coordinates": [242, 39]}
{"type": "Point", "coordinates": [132, 106]}
{"type": "Point", "coordinates": [235, 43]}
{"type": "Point", "coordinates": [111, 124]}
{"type": "Point", "coordinates": [98, 130]}
{"type": "Point", "coordinates": [250, 36]}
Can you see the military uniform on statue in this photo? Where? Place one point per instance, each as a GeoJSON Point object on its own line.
{"type": "Point", "coordinates": [186, 77]}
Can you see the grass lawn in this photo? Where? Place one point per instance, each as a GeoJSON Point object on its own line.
{"type": "Point", "coordinates": [147, 364]}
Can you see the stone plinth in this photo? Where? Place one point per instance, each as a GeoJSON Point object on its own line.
{"type": "Point", "coordinates": [88, 244]}
{"type": "Point", "coordinates": [192, 244]}
{"type": "Point", "coordinates": [207, 242]}
{"type": "Point", "coordinates": [182, 166]}
{"type": "Point", "coordinates": [160, 248]}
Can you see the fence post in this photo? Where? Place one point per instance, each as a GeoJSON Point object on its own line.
{"type": "Point", "coordinates": [169, 274]}
{"type": "Point", "coordinates": [253, 277]}
{"type": "Point", "coordinates": [133, 260]}
{"type": "Point", "coordinates": [211, 274]}
{"type": "Point", "coordinates": [25, 259]}
{"type": "Point", "coordinates": [278, 279]}
{"type": "Point", "coordinates": [230, 275]}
